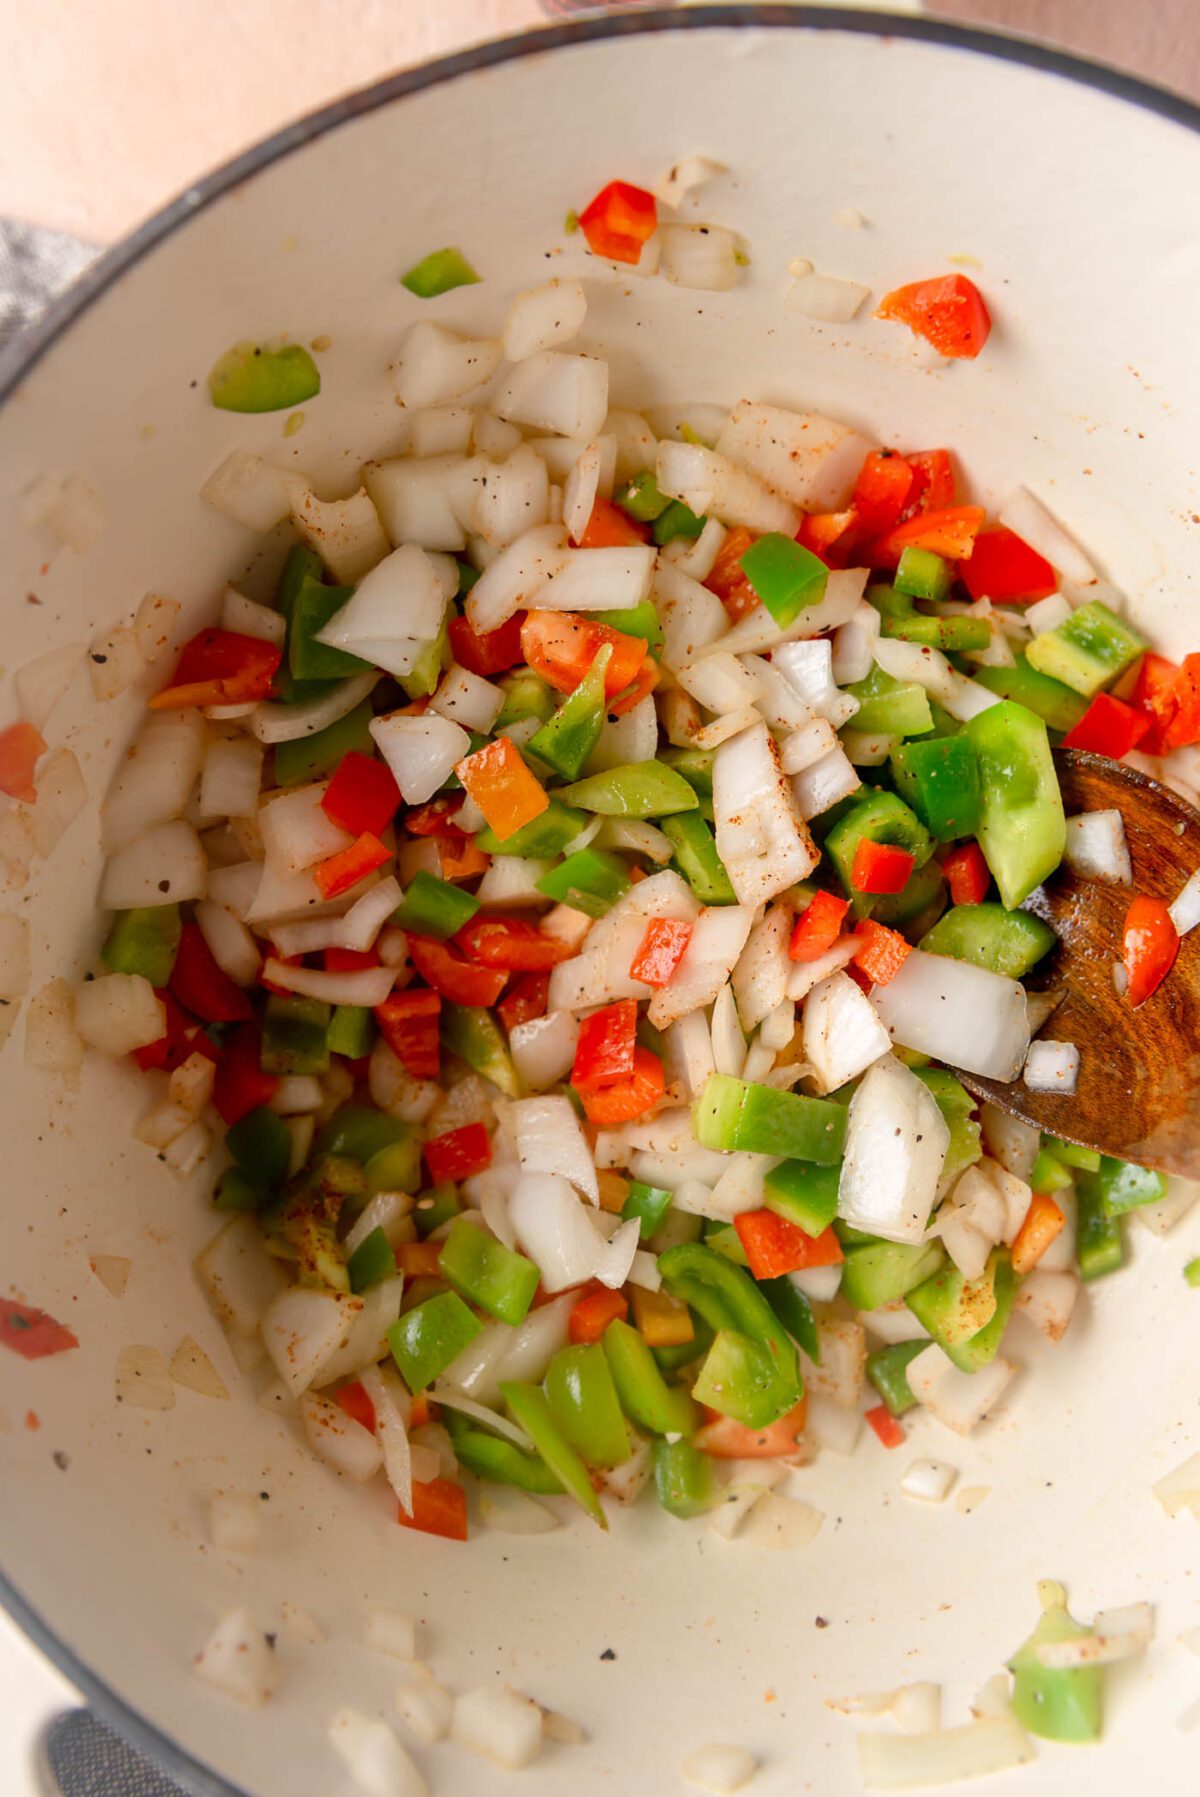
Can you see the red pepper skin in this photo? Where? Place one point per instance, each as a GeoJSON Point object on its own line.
{"type": "Point", "coordinates": [881, 492]}
{"type": "Point", "coordinates": [183, 1037]}
{"type": "Point", "coordinates": [357, 1405]}
{"type": "Point", "coordinates": [727, 580]}
{"type": "Point", "coordinates": [561, 646]}
{"type": "Point", "coordinates": [408, 1022]}
{"type": "Point", "coordinates": [350, 865]}
{"type": "Point", "coordinates": [525, 1000]}
{"type": "Point", "coordinates": [490, 652]}
{"type": "Point", "coordinates": [950, 533]}
{"type": "Point", "coordinates": [362, 796]}
{"type": "Point", "coordinates": [881, 952]}
{"type": "Point", "coordinates": [604, 1052]}
{"type": "Point", "coordinates": [662, 949]}
{"type": "Point", "coordinates": [32, 1333]}
{"type": "Point", "coordinates": [818, 927]}
{"type": "Point", "coordinates": [623, 1100]}
{"type": "Point", "coordinates": [880, 867]}
{"type": "Point", "coordinates": [593, 1313]}
{"type": "Point", "coordinates": [1149, 947]}
{"type": "Point", "coordinates": [934, 488]}
{"type": "Point", "coordinates": [21, 746]}
{"type": "Point", "coordinates": [201, 987]}
{"type": "Point", "coordinates": [240, 1085]}
{"type": "Point", "coordinates": [1171, 696]}
{"type": "Point", "coordinates": [967, 873]}
{"type": "Point", "coordinates": [608, 527]}
{"type": "Point", "coordinates": [618, 221]}
{"type": "Point", "coordinates": [462, 982]}
{"type": "Point", "coordinates": [349, 960]}
{"type": "Point", "coordinates": [510, 943]}
{"type": "Point", "coordinates": [1003, 567]}
{"type": "Point", "coordinates": [221, 667]}
{"type": "Point", "coordinates": [887, 1427]}
{"type": "Point", "coordinates": [1109, 727]}
{"type": "Point", "coordinates": [947, 311]}
{"type": "Point", "coordinates": [774, 1245]}
{"type": "Point", "coordinates": [439, 1508]}
{"type": "Point", "coordinates": [458, 1154]}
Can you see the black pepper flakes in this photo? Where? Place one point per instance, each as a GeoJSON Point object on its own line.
{"type": "Point", "coordinates": [608, 1654]}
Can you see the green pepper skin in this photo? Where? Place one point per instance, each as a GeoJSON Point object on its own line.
{"type": "Point", "coordinates": [565, 743]}
{"type": "Point", "coordinates": [583, 1401]}
{"type": "Point", "coordinates": [944, 1304]}
{"type": "Point", "coordinates": [736, 1114]}
{"type": "Point", "coordinates": [248, 378]}
{"type": "Point", "coordinates": [1059, 1704]}
{"type": "Point", "coordinates": [496, 1278]}
{"type": "Point", "coordinates": [1022, 828]}
{"type": "Point", "coordinates": [732, 1305]}
{"type": "Point", "coordinates": [683, 1478]}
{"type": "Point", "coordinates": [145, 941]}
{"type": "Point", "coordinates": [649, 790]}
{"type": "Point", "coordinates": [430, 1336]}
{"type": "Point", "coordinates": [644, 1394]}
{"type": "Point", "coordinates": [887, 1369]}
{"type": "Point", "coordinates": [491, 1457]}
{"type": "Point", "coordinates": [696, 857]}
{"type": "Point", "coordinates": [531, 1409]}
{"type": "Point", "coordinates": [988, 935]}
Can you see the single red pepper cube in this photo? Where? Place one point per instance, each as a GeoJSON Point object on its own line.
{"type": "Point", "coordinates": [458, 1154]}
{"type": "Point", "coordinates": [967, 874]}
{"type": "Point", "coordinates": [488, 652]}
{"type": "Point", "coordinates": [362, 796]}
{"type": "Point", "coordinates": [1149, 946]}
{"type": "Point", "coordinates": [775, 1245]}
{"type": "Point", "coordinates": [350, 865]}
{"type": "Point", "coordinates": [887, 1428]}
{"type": "Point", "coordinates": [880, 867]}
{"type": "Point", "coordinates": [948, 311]}
{"type": "Point", "coordinates": [618, 221]}
{"type": "Point", "coordinates": [1003, 567]}
{"type": "Point", "coordinates": [604, 1052]}
{"type": "Point", "coordinates": [439, 1508]}
{"type": "Point", "coordinates": [818, 927]}
{"type": "Point", "coordinates": [240, 1085]}
{"type": "Point", "coordinates": [662, 949]}
{"type": "Point", "coordinates": [525, 1000]}
{"type": "Point", "coordinates": [408, 1022]}
{"type": "Point", "coordinates": [1109, 727]}
{"type": "Point", "coordinates": [460, 981]}
{"type": "Point", "coordinates": [201, 986]}
{"type": "Point", "coordinates": [881, 952]}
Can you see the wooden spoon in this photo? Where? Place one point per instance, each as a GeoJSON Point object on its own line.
{"type": "Point", "coordinates": [1138, 1091]}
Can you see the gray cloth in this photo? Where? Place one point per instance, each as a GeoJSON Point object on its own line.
{"type": "Point", "coordinates": [35, 265]}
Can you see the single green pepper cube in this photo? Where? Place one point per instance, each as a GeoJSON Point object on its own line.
{"type": "Point", "coordinates": [649, 1204]}
{"type": "Point", "coordinates": [950, 1307]}
{"type": "Point", "coordinates": [396, 1168]}
{"type": "Point", "coordinates": [439, 1205]}
{"type": "Point", "coordinates": [235, 1191]}
{"type": "Point", "coordinates": [678, 520]}
{"type": "Point", "coordinates": [545, 836]}
{"type": "Point", "coordinates": [786, 576]}
{"type": "Point", "coordinates": [301, 564]}
{"type": "Point", "coordinates": [806, 1195]}
{"type": "Point", "coordinates": [645, 1396]}
{"type": "Point", "coordinates": [1048, 1175]}
{"type": "Point", "coordinates": [261, 1145]}
{"type": "Point", "coordinates": [1099, 1237]}
{"type": "Point", "coordinates": [1057, 1703]}
{"type": "Point", "coordinates": [531, 1409]}
{"type": "Point", "coordinates": [887, 1369]}
{"type": "Point", "coordinates": [427, 671]}
{"type": "Point", "coordinates": [730, 1303]}
{"type": "Point", "coordinates": [439, 272]}
{"type": "Point", "coordinates": [880, 817]}
{"type": "Point", "coordinates": [526, 695]}
{"type": "Point", "coordinates": [1048, 699]}
{"type": "Point", "coordinates": [1124, 1186]}
{"type": "Point", "coordinates": [695, 855]}
{"type": "Point", "coordinates": [351, 1032]}
{"type": "Point", "coordinates": [684, 1480]}
{"type": "Point", "coordinates": [1071, 1154]}
{"type": "Point", "coordinates": [565, 743]}
{"type": "Point", "coordinates": [589, 880]}
{"type": "Point", "coordinates": [494, 1277]}
{"type": "Point", "coordinates": [1191, 1272]}
{"type": "Point", "coordinates": [473, 1034]}
{"type": "Point", "coordinates": [312, 608]}
{"type": "Point", "coordinates": [1022, 828]}
{"type": "Point", "coordinates": [650, 789]}
{"type": "Point", "coordinates": [359, 1132]}
{"type": "Point", "coordinates": [584, 1404]}
{"type": "Point", "coordinates": [312, 757]}
{"type": "Point", "coordinates": [248, 378]}
{"type": "Point", "coordinates": [144, 940]}
{"type": "Point", "coordinates": [641, 620]}
{"type": "Point", "coordinates": [922, 574]}
{"type": "Point", "coordinates": [696, 766]}
{"type": "Point", "coordinates": [643, 499]}
{"type": "Point", "coordinates": [1088, 650]}
{"type": "Point", "coordinates": [888, 707]}
{"type": "Point", "coordinates": [1007, 942]}
{"type": "Point", "coordinates": [734, 1114]}
{"type": "Point", "coordinates": [372, 1262]}
{"type": "Point", "coordinates": [433, 907]}
{"type": "Point", "coordinates": [795, 1313]}
{"type": "Point", "coordinates": [876, 1273]}
{"type": "Point", "coordinates": [738, 1379]}
{"type": "Point", "coordinates": [295, 1037]}
{"type": "Point", "coordinates": [492, 1457]}
{"type": "Point", "coordinates": [939, 778]}
{"type": "Point", "coordinates": [428, 1338]}
{"type": "Point", "coordinates": [951, 635]}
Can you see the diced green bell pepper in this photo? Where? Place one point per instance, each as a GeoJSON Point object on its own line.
{"type": "Point", "coordinates": [922, 574]}
{"type": "Point", "coordinates": [1124, 1186]}
{"type": "Point", "coordinates": [805, 1194]}
{"type": "Point", "coordinates": [531, 1409]}
{"type": "Point", "coordinates": [678, 520]}
{"type": "Point", "coordinates": [473, 1034]}
{"type": "Point", "coordinates": [372, 1262]}
{"type": "Point", "coordinates": [145, 941]}
{"type": "Point", "coordinates": [1022, 829]}
{"type": "Point", "coordinates": [649, 1204]}
{"type": "Point", "coordinates": [433, 907]}
{"type": "Point", "coordinates": [565, 743]}
{"type": "Point", "coordinates": [696, 766]}
{"type": "Point", "coordinates": [951, 635]}
{"type": "Point", "coordinates": [887, 1369]}
{"type": "Point", "coordinates": [304, 1221]}
{"type": "Point", "coordinates": [752, 1366]}
{"type": "Point", "coordinates": [396, 1168]}
{"type": "Point", "coordinates": [684, 1480]}
{"type": "Point", "coordinates": [1087, 650]}
{"type": "Point", "coordinates": [1191, 1272]}
{"type": "Point", "coordinates": [695, 855]}
{"type": "Point", "coordinates": [1099, 1237]}
{"type": "Point", "coordinates": [881, 817]}
{"type": "Point", "coordinates": [634, 620]}
{"type": "Point", "coordinates": [1057, 1703]}
{"type": "Point", "coordinates": [492, 1457]}
{"type": "Point", "coordinates": [786, 576]}
{"type": "Point", "coordinates": [918, 905]}
{"type": "Point", "coordinates": [300, 565]}
{"type": "Point", "coordinates": [351, 1031]}
{"type": "Point", "coordinates": [312, 757]}
{"type": "Point", "coordinates": [440, 1204]}
{"type": "Point", "coordinates": [1048, 699]}
{"type": "Point", "coordinates": [648, 790]}
{"type": "Point", "coordinates": [957, 1107]}
{"type": "Point", "coordinates": [645, 1396]}
{"type": "Point", "coordinates": [589, 880]}
{"type": "Point", "coordinates": [724, 1239]}
{"type": "Point", "coordinates": [1048, 1175]}
{"type": "Point", "coordinates": [545, 836]}
{"type": "Point", "coordinates": [1007, 942]}
{"type": "Point", "coordinates": [526, 695]}
{"type": "Point", "coordinates": [879, 1272]}
{"type": "Point", "coordinates": [739, 1380]}
{"type": "Point", "coordinates": [235, 1192]}
{"type": "Point", "coordinates": [939, 778]}
{"type": "Point", "coordinates": [427, 1338]}
{"type": "Point", "coordinates": [1071, 1154]}
{"type": "Point", "coordinates": [388, 1150]}
{"type": "Point", "coordinates": [314, 605]}
{"type": "Point", "coordinates": [427, 670]}
{"type": "Point", "coordinates": [261, 1145]}
{"type": "Point", "coordinates": [295, 1036]}
{"type": "Point", "coordinates": [735, 1114]}
{"type": "Point", "coordinates": [794, 1312]}
{"type": "Point", "coordinates": [888, 707]}
{"type": "Point", "coordinates": [584, 1404]}
{"type": "Point", "coordinates": [467, 576]}
{"type": "Point", "coordinates": [439, 272]}
{"type": "Point", "coordinates": [248, 378]}
{"type": "Point", "coordinates": [643, 499]}
{"type": "Point", "coordinates": [951, 1309]}
{"type": "Point", "coordinates": [496, 1278]}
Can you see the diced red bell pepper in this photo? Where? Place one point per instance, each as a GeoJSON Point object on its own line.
{"type": "Point", "coordinates": [561, 647]}
{"type": "Point", "coordinates": [818, 927]}
{"type": "Point", "coordinates": [488, 652]}
{"type": "Point", "coordinates": [594, 1312]}
{"type": "Point", "coordinates": [362, 796]}
{"type": "Point", "coordinates": [357, 1405]}
{"type": "Point", "coordinates": [435, 819]}
{"type": "Point", "coordinates": [1149, 946]}
{"type": "Point", "coordinates": [609, 527]}
{"type": "Point", "coordinates": [947, 311]}
{"type": "Point", "coordinates": [830, 535]}
{"type": "Point", "coordinates": [604, 1052]}
{"type": "Point", "coordinates": [460, 857]}
{"type": "Point", "coordinates": [950, 533]}
{"type": "Point", "coordinates": [31, 1333]}
{"type": "Point", "coordinates": [240, 1085]}
{"type": "Point", "coordinates": [458, 1154]}
{"type": "Point", "coordinates": [641, 688]}
{"type": "Point", "coordinates": [662, 949]}
{"type": "Point", "coordinates": [525, 1000]}
{"type": "Point", "coordinates": [21, 746]}
{"type": "Point", "coordinates": [1003, 567]}
{"type": "Point", "coordinates": [1109, 727]}
{"type": "Point", "coordinates": [623, 1100]}
{"type": "Point", "coordinates": [439, 1508]}
{"type": "Point", "coordinates": [881, 492]}
{"type": "Point", "coordinates": [933, 488]}
{"type": "Point", "coordinates": [183, 1037]}
{"type": "Point", "coordinates": [463, 982]}
{"type": "Point", "coordinates": [722, 1438]}
{"type": "Point", "coordinates": [350, 865]}
{"type": "Point", "coordinates": [880, 867]}
{"type": "Point", "coordinates": [774, 1245]}
{"type": "Point", "coordinates": [202, 987]}
{"type": "Point", "coordinates": [887, 1427]}
{"type": "Point", "coordinates": [350, 960]}
{"type": "Point", "coordinates": [881, 952]}
{"type": "Point", "coordinates": [618, 221]}
{"type": "Point", "coordinates": [511, 943]}
{"type": "Point", "coordinates": [221, 667]}
{"type": "Point", "coordinates": [967, 873]}
{"type": "Point", "coordinates": [727, 578]}
{"type": "Point", "coordinates": [408, 1022]}
{"type": "Point", "coordinates": [1171, 696]}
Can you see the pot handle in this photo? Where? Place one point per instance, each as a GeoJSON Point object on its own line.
{"type": "Point", "coordinates": [84, 1758]}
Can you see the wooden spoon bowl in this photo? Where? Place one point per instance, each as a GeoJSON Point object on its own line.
{"type": "Point", "coordinates": [1138, 1092]}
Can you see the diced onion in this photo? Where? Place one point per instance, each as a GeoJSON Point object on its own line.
{"type": "Point", "coordinates": [1185, 910]}
{"type": "Point", "coordinates": [119, 1012]}
{"type": "Point", "coordinates": [833, 1425]}
{"type": "Point", "coordinates": [761, 837]}
{"type": "Point", "coordinates": [1047, 1299]}
{"type": "Point", "coordinates": [928, 1480]}
{"type": "Point", "coordinates": [1051, 1067]}
{"type": "Point", "coordinates": [543, 1049]}
{"type": "Point", "coordinates": [395, 610]}
{"type": "Point", "coordinates": [142, 1379]}
{"type": "Point", "coordinates": [423, 1704]}
{"type": "Point", "coordinates": [556, 391]}
{"type": "Point", "coordinates": [421, 752]}
{"type": "Point", "coordinates": [711, 483]}
{"type": "Point", "coordinates": [896, 1142]}
{"type": "Point", "coordinates": [251, 491]}
{"type": "Point", "coordinates": [367, 986]}
{"type": "Point", "coordinates": [1180, 1489]}
{"type": "Point", "coordinates": [543, 317]}
{"type": "Point", "coordinates": [1097, 848]}
{"type": "Point", "coordinates": [959, 1400]}
{"type": "Point", "coordinates": [704, 257]}
{"type": "Point", "coordinates": [296, 830]}
{"type": "Point", "coordinates": [826, 298]}
{"type": "Point", "coordinates": [905, 1762]}
{"type": "Point", "coordinates": [561, 1234]}
{"type": "Point", "coordinates": [963, 1015]}
{"type": "Point", "coordinates": [518, 571]}
{"type": "Point", "coordinates": [155, 778]}
{"type": "Point", "coordinates": [549, 1139]}
{"type": "Point", "coordinates": [390, 1403]}
{"type": "Point", "coordinates": [436, 365]}
{"type": "Point", "coordinates": [812, 460]}
{"type": "Point", "coordinates": [719, 1768]}
{"type": "Point", "coordinates": [499, 1724]}
{"type": "Point", "coordinates": [289, 723]}
{"type": "Point", "coordinates": [683, 176]}
{"type": "Point", "coordinates": [842, 1032]}
{"type": "Point", "coordinates": [238, 1659]}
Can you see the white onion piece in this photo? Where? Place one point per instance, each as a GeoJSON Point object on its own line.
{"type": "Point", "coordinates": [374, 1757]}
{"type": "Point", "coordinates": [1031, 521]}
{"type": "Point", "coordinates": [61, 796]}
{"type": "Point", "coordinates": [826, 298]}
{"type": "Point", "coordinates": [295, 1094]}
{"type": "Point", "coordinates": [967, 698]}
{"type": "Point", "coordinates": [366, 986]}
{"type": "Point", "coordinates": [811, 460]}
{"type": "Point", "coordinates": [421, 752]}
{"type": "Point", "coordinates": [896, 1142]}
{"type": "Point", "coordinates": [41, 683]}
{"type": "Point", "coordinates": [561, 1235]}
{"type": "Point", "coordinates": [683, 176]}
{"type": "Point", "coordinates": [777, 699]}
{"type": "Point", "coordinates": [598, 580]}
{"type": "Point", "coordinates": [930, 1481]}
{"type": "Point", "coordinates": [915, 1709]}
{"type": "Point", "coordinates": [543, 317]}
{"type": "Point", "coordinates": [155, 777]}
{"type": "Point", "coordinates": [142, 1380]}
{"type": "Point", "coordinates": [427, 503]}
{"type": "Point", "coordinates": [842, 1032]}
{"type": "Point", "coordinates": [164, 866]}
{"type": "Point", "coordinates": [964, 1015]}
{"type": "Point", "coordinates": [904, 1762]}
{"type": "Point", "coordinates": [499, 1724]}
{"type": "Point", "coordinates": [1047, 614]}
{"type": "Point", "coordinates": [239, 1278]}
{"type": "Point", "coordinates": [626, 740]}
{"type": "Point", "coordinates": [511, 880]}
{"type": "Point", "coordinates": [1010, 1141]}
{"type": "Point", "coordinates": [719, 1768]}
{"type": "Point", "coordinates": [297, 832]}
{"type": "Point", "coordinates": [959, 1400]}
{"type": "Point", "coordinates": [1047, 1298]}
{"type": "Point", "coordinates": [709, 482]}
{"type": "Point", "coordinates": [822, 780]}
{"type": "Point", "coordinates": [808, 669]}
{"type": "Point", "coordinates": [556, 391]}
{"type": "Point", "coordinates": [917, 664]}
{"type": "Point", "coordinates": [436, 365]}
{"type": "Point", "coordinates": [579, 493]}
{"type": "Point", "coordinates": [1097, 848]}
{"type": "Point", "coordinates": [467, 699]}
{"type": "Point", "coordinates": [689, 1043]}
{"type": "Point", "coordinates": [423, 1704]}
{"type": "Point", "coordinates": [1116, 1635]}
{"type": "Point", "coordinates": [238, 1660]}
{"type": "Point", "coordinates": [697, 556]}
{"type": "Point", "coordinates": [512, 496]}
{"type": "Point", "coordinates": [289, 723]}
{"type": "Point", "coordinates": [248, 618]}
{"type": "Point", "coordinates": [819, 1284]}
{"type": "Point", "coordinates": [1051, 1067]}
{"type": "Point", "coordinates": [232, 946]}
{"type": "Point", "coordinates": [718, 937]}
{"type": "Point", "coordinates": [703, 257]}
{"type": "Point", "coordinates": [189, 1365]}
{"type": "Point", "coordinates": [346, 533]}
{"type": "Point", "coordinates": [232, 777]}
{"type": "Point", "coordinates": [549, 1139]}
{"type": "Point", "coordinates": [366, 1339]}
{"type": "Point", "coordinates": [690, 615]}
{"type": "Point", "coordinates": [721, 682]}
{"type": "Point", "coordinates": [544, 1049]}
{"type": "Point", "coordinates": [393, 613]}
{"type": "Point", "coordinates": [729, 1044]}
{"type": "Point", "coordinates": [119, 1012]}
{"type": "Point", "coordinates": [1163, 1215]}
{"type": "Point", "coordinates": [760, 976]}
{"type": "Point", "coordinates": [386, 1211]}
{"type": "Point", "coordinates": [390, 1403]}
{"type": "Point", "coordinates": [804, 975]}
{"type": "Point", "coordinates": [1185, 909]}
{"type": "Point", "coordinates": [395, 1090]}
{"type": "Point", "coordinates": [251, 491]}
{"type": "Point", "coordinates": [303, 1328]}
{"type": "Point", "coordinates": [1180, 1488]}
{"type": "Point", "coordinates": [517, 572]}
{"type": "Point", "coordinates": [761, 837]}
{"type": "Point", "coordinates": [634, 441]}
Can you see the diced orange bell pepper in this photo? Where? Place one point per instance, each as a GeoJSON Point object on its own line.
{"type": "Point", "coordinates": [505, 790]}
{"type": "Point", "coordinates": [593, 1313]}
{"type": "Point", "coordinates": [439, 1508]}
{"type": "Point", "coordinates": [724, 1439]}
{"type": "Point", "coordinates": [661, 1320]}
{"type": "Point", "coordinates": [20, 748]}
{"type": "Point", "coordinates": [561, 647]}
{"type": "Point", "coordinates": [345, 869]}
{"type": "Point", "coordinates": [774, 1245]}
{"type": "Point", "coordinates": [1043, 1221]}
{"type": "Point", "coordinates": [950, 533]}
{"type": "Point", "coordinates": [881, 952]}
{"type": "Point", "coordinates": [611, 528]}
{"type": "Point", "coordinates": [727, 579]}
{"type": "Point", "coordinates": [947, 311]}
{"type": "Point", "coordinates": [624, 1099]}
{"type": "Point", "coordinates": [886, 1426]}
